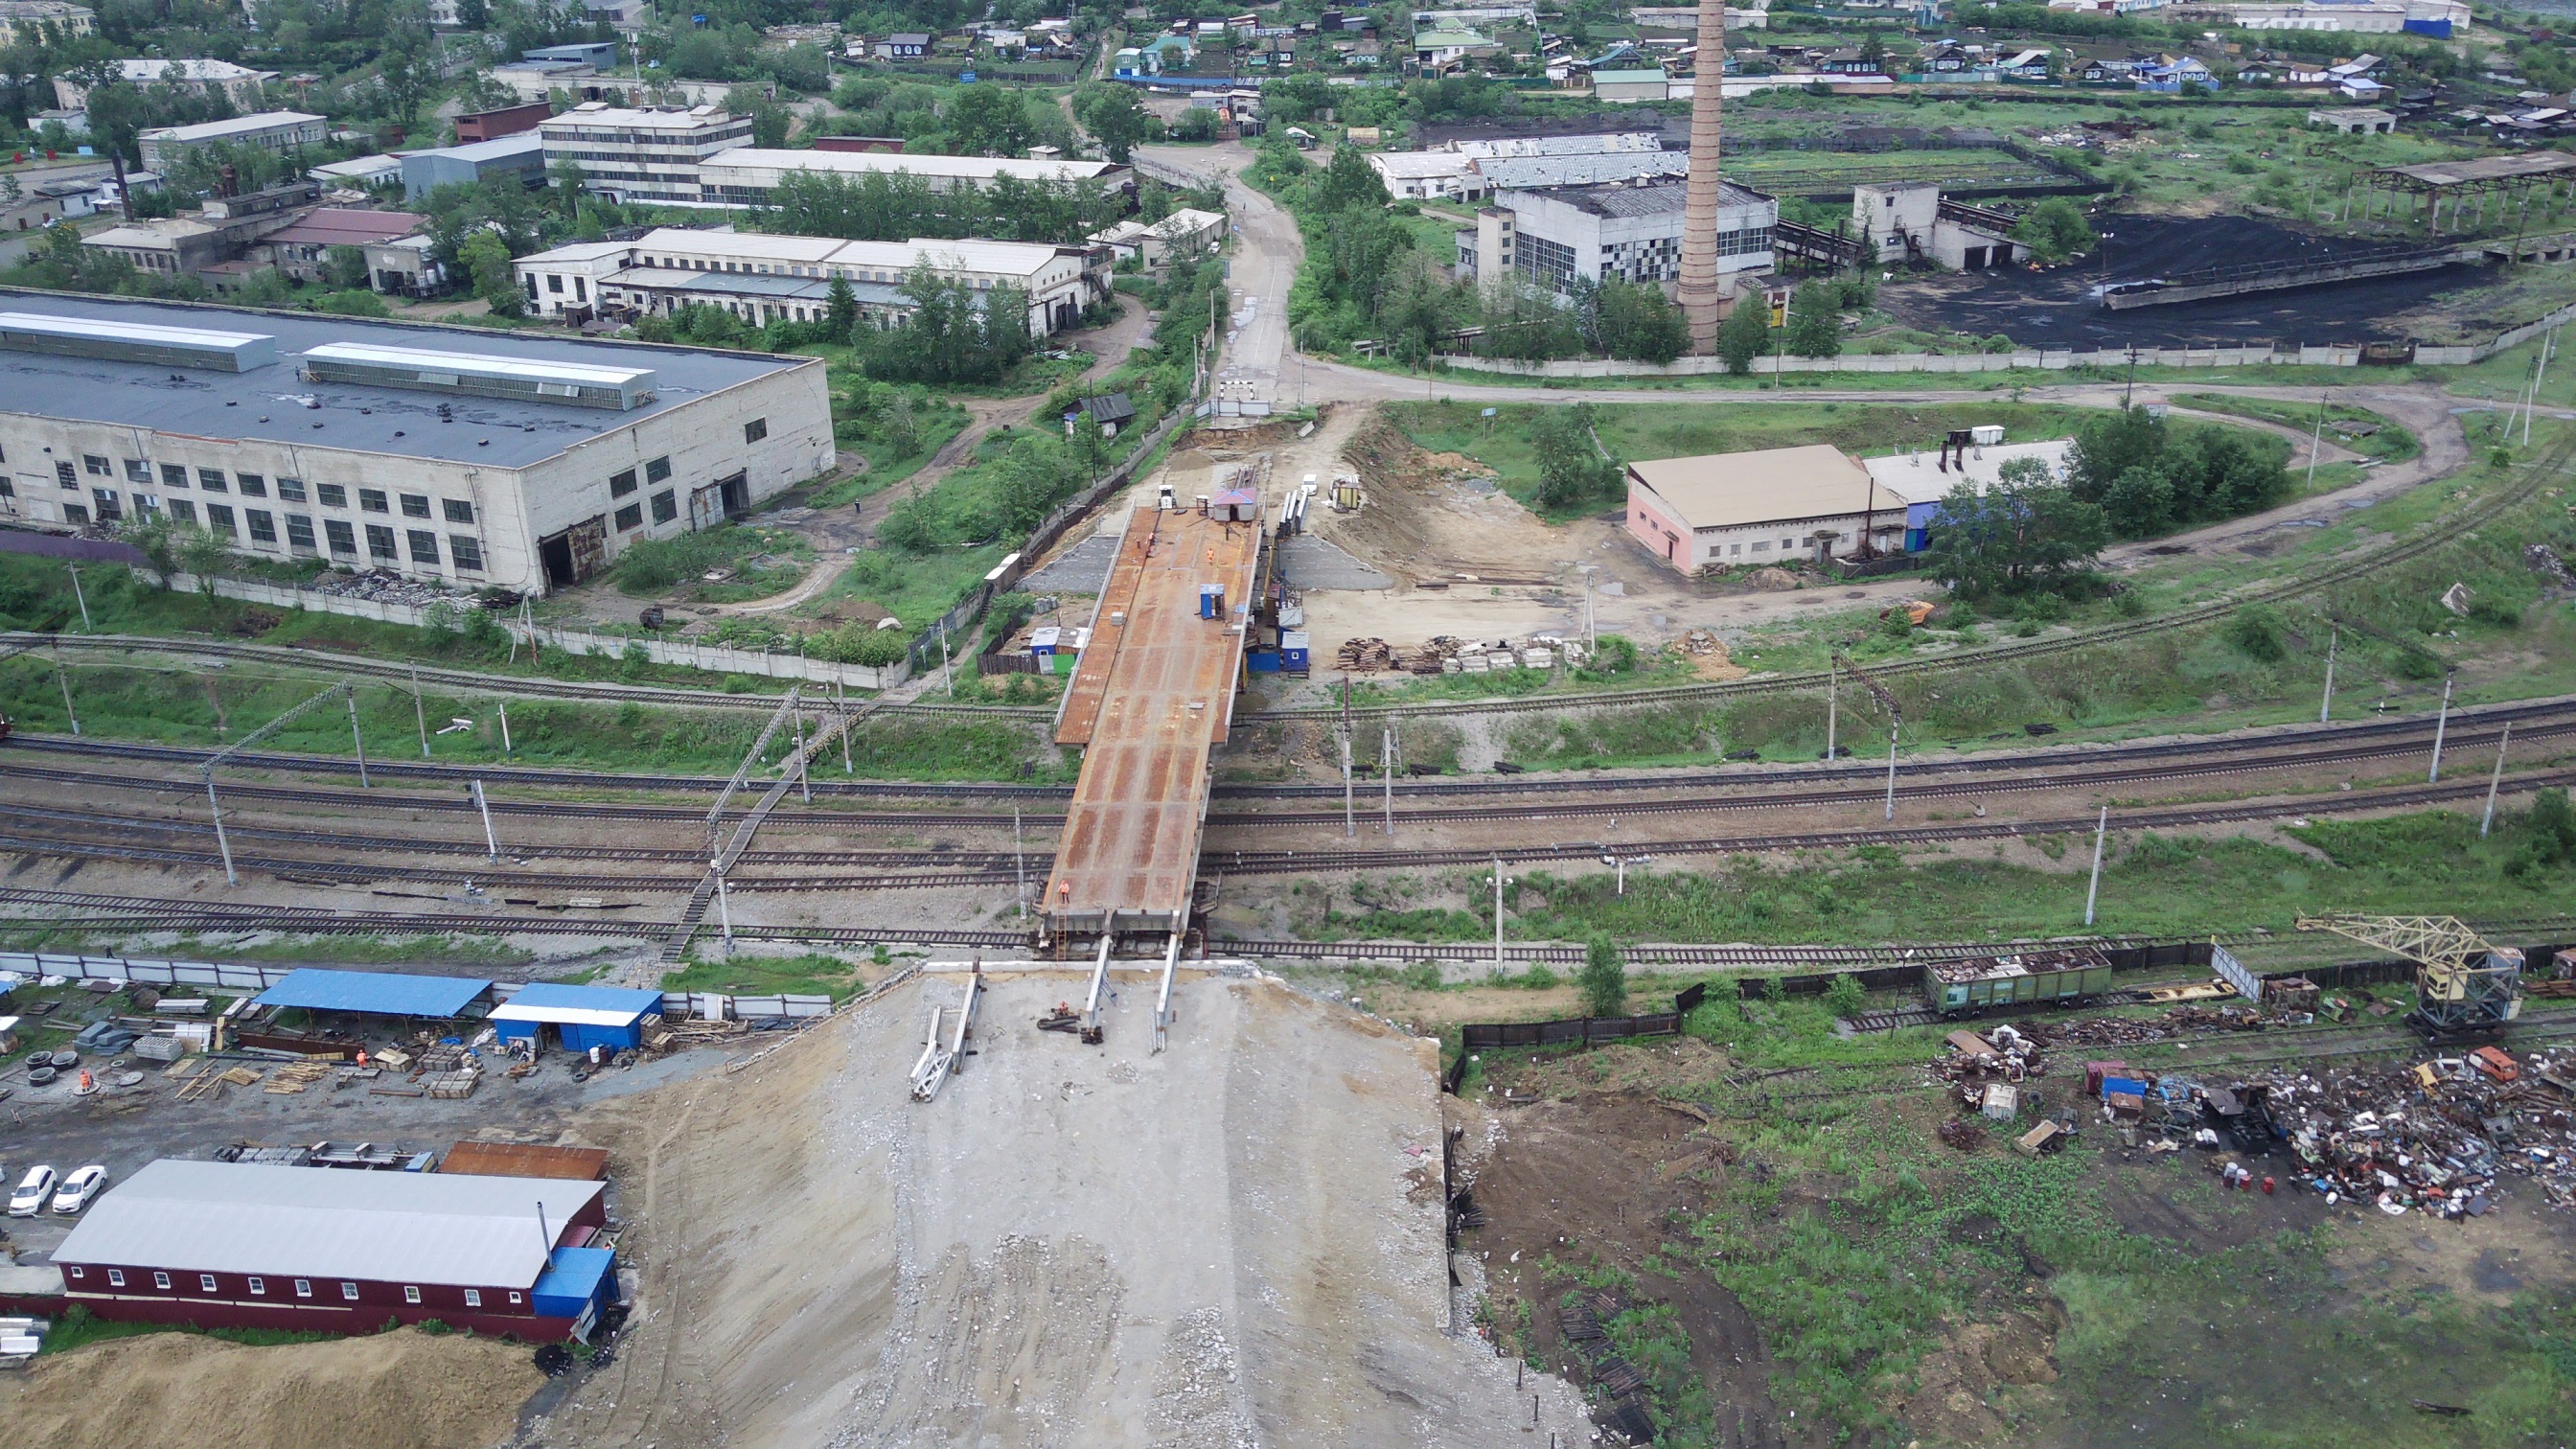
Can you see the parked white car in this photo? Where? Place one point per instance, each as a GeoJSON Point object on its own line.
{"type": "Point", "coordinates": [79, 1188]}
{"type": "Point", "coordinates": [33, 1190]}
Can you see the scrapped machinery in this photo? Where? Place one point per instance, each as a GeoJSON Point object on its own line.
{"type": "Point", "coordinates": [2464, 983]}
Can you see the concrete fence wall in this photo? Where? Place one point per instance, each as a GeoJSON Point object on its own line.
{"type": "Point", "coordinates": [679, 653]}
{"type": "Point", "coordinates": [2043, 360]}
{"type": "Point", "coordinates": [2034, 360]}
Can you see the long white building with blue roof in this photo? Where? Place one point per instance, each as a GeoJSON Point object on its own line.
{"type": "Point", "coordinates": [475, 457]}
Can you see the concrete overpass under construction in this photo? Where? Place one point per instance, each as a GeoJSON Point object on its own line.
{"type": "Point", "coordinates": [1152, 696]}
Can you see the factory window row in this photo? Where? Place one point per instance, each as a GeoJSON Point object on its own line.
{"type": "Point", "coordinates": [463, 549]}
{"type": "Point", "coordinates": [1551, 262]}
{"type": "Point", "coordinates": [288, 490]}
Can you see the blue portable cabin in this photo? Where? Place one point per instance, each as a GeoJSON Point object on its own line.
{"type": "Point", "coordinates": [582, 1016]}
{"type": "Point", "coordinates": [578, 1284]}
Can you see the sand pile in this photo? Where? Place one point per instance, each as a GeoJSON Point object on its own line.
{"type": "Point", "coordinates": [405, 1390]}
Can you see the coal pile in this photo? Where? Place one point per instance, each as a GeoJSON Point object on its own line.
{"type": "Point", "coordinates": [2055, 307]}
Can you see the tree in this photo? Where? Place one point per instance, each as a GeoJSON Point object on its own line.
{"type": "Point", "coordinates": [1349, 181]}
{"type": "Point", "coordinates": [264, 288]}
{"type": "Point", "coordinates": [1571, 470]}
{"type": "Point", "coordinates": [204, 554]}
{"type": "Point", "coordinates": [487, 260]}
{"type": "Point", "coordinates": [2110, 445]}
{"type": "Point", "coordinates": [987, 120]}
{"type": "Point", "coordinates": [1638, 324]}
{"type": "Point", "coordinates": [1746, 334]}
{"type": "Point", "coordinates": [1114, 117]}
{"type": "Point", "coordinates": [841, 308]}
{"type": "Point", "coordinates": [2055, 229]}
{"type": "Point", "coordinates": [1603, 980]}
{"type": "Point", "coordinates": [2025, 532]}
{"type": "Point", "coordinates": [1816, 322]}
{"type": "Point", "coordinates": [346, 267]}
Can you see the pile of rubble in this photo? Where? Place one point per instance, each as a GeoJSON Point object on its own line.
{"type": "Point", "coordinates": [1445, 654]}
{"type": "Point", "coordinates": [384, 587]}
{"type": "Point", "coordinates": [2185, 1020]}
{"type": "Point", "coordinates": [1364, 656]}
{"type": "Point", "coordinates": [2439, 1137]}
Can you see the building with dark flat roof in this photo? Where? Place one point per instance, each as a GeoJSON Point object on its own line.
{"type": "Point", "coordinates": [244, 1245]}
{"type": "Point", "coordinates": [507, 121]}
{"type": "Point", "coordinates": [455, 453]}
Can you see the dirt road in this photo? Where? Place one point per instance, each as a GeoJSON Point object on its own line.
{"type": "Point", "coordinates": [1236, 1241]}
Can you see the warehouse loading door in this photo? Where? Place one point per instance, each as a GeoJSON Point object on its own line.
{"type": "Point", "coordinates": [574, 554]}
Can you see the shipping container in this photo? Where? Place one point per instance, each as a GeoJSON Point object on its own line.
{"type": "Point", "coordinates": [1981, 983]}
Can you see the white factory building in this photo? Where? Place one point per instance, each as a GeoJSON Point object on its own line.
{"type": "Point", "coordinates": [477, 457]}
{"type": "Point", "coordinates": [268, 130]}
{"type": "Point", "coordinates": [642, 155]}
{"type": "Point", "coordinates": [1630, 230]}
{"type": "Point", "coordinates": [746, 176]}
{"type": "Point", "coordinates": [1909, 221]}
{"type": "Point", "coordinates": [238, 84]}
{"type": "Point", "coordinates": [764, 278]}
{"type": "Point", "coordinates": [1468, 169]}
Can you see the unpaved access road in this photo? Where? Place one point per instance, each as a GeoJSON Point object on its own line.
{"type": "Point", "coordinates": [1235, 1242]}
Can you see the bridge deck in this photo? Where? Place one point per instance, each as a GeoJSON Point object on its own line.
{"type": "Point", "coordinates": [1153, 695]}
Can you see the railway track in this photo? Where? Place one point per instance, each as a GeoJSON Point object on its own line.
{"type": "Point", "coordinates": [953, 867]}
{"type": "Point", "coordinates": [1414, 857]}
{"type": "Point", "coordinates": [496, 878]}
{"type": "Point", "coordinates": [2076, 767]}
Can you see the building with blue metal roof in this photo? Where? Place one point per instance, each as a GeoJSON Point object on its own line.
{"type": "Point", "coordinates": [376, 993]}
{"type": "Point", "coordinates": [582, 1016]}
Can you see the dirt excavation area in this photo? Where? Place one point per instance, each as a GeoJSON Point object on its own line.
{"type": "Point", "coordinates": [404, 1390]}
{"type": "Point", "coordinates": [1236, 1241]}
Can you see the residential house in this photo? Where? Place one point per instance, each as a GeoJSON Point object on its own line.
{"type": "Point", "coordinates": [904, 45]}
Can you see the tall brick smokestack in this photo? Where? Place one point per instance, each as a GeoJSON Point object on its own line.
{"type": "Point", "coordinates": [1703, 289]}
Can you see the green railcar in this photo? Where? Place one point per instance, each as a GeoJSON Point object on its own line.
{"type": "Point", "coordinates": [1979, 984]}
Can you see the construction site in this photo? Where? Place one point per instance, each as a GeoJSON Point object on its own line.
{"type": "Point", "coordinates": [1430, 908]}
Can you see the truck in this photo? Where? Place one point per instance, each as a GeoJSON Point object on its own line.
{"type": "Point", "coordinates": [1970, 986]}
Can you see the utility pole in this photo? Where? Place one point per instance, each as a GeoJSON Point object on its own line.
{"type": "Point", "coordinates": [802, 784]}
{"type": "Point", "coordinates": [2316, 440]}
{"type": "Point", "coordinates": [724, 902]}
{"type": "Point", "coordinates": [419, 712]}
{"type": "Point", "coordinates": [2131, 391]}
{"type": "Point", "coordinates": [1020, 861]}
{"type": "Point", "coordinates": [82, 597]}
{"type": "Point", "coordinates": [491, 841]}
{"type": "Point", "coordinates": [947, 667]}
{"type": "Point", "coordinates": [1350, 823]}
{"type": "Point", "coordinates": [2325, 706]}
{"type": "Point", "coordinates": [1591, 636]}
{"type": "Point", "coordinates": [1895, 725]}
{"type": "Point", "coordinates": [1498, 915]}
{"type": "Point", "coordinates": [1386, 773]}
{"type": "Point", "coordinates": [2495, 781]}
{"type": "Point", "coordinates": [1833, 702]}
{"type": "Point", "coordinates": [2093, 892]}
{"type": "Point", "coordinates": [505, 729]}
{"type": "Point", "coordinates": [65, 680]}
{"type": "Point", "coordinates": [360, 739]}
{"type": "Point", "coordinates": [2441, 725]}
{"type": "Point", "coordinates": [221, 843]}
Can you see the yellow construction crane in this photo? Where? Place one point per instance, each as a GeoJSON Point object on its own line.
{"type": "Point", "coordinates": [2463, 981]}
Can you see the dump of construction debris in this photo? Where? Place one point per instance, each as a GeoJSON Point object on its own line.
{"type": "Point", "coordinates": [2442, 1136]}
{"type": "Point", "coordinates": [1448, 654]}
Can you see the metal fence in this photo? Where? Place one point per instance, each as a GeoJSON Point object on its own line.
{"type": "Point", "coordinates": [247, 977]}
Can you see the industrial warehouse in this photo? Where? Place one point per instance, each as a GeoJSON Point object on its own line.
{"type": "Point", "coordinates": [249, 1245]}
{"type": "Point", "coordinates": [439, 453]}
